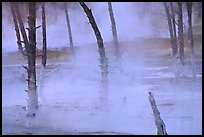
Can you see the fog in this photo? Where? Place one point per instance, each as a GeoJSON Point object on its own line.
{"type": "Point", "coordinates": [138, 17]}
{"type": "Point", "coordinates": [69, 92]}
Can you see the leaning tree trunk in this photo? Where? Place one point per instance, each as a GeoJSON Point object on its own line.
{"type": "Point", "coordinates": [20, 48]}
{"type": "Point", "coordinates": [161, 128]}
{"type": "Point", "coordinates": [103, 58]}
{"type": "Point", "coordinates": [22, 28]}
{"type": "Point", "coordinates": [173, 44]}
{"type": "Point", "coordinates": [44, 50]}
{"type": "Point", "coordinates": [32, 88]}
{"type": "Point", "coordinates": [114, 31]}
{"type": "Point", "coordinates": [69, 30]}
{"type": "Point", "coordinates": [190, 37]}
{"type": "Point", "coordinates": [180, 33]}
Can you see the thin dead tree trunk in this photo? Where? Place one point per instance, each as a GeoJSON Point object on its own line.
{"type": "Point", "coordinates": [103, 58]}
{"type": "Point", "coordinates": [44, 51]}
{"type": "Point", "coordinates": [32, 88]}
{"type": "Point", "coordinates": [172, 31]}
{"type": "Point", "coordinates": [180, 33]}
{"type": "Point", "coordinates": [161, 128]}
{"type": "Point", "coordinates": [20, 48]}
{"type": "Point", "coordinates": [190, 37]}
{"type": "Point", "coordinates": [32, 100]}
{"type": "Point", "coordinates": [22, 28]}
{"type": "Point", "coordinates": [174, 26]}
{"type": "Point", "coordinates": [114, 30]}
{"type": "Point", "coordinates": [169, 18]}
{"type": "Point", "coordinates": [69, 29]}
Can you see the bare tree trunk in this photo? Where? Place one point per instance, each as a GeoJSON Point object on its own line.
{"type": "Point", "coordinates": [114, 31]}
{"type": "Point", "coordinates": [190, 37]}
{"type": "Point", "coordinates": [174, 25]}
{"type": "Point", "coordinates": [32, 88]}
{"type": "Point", "coordinates": [32, 100]}
{"type": "Point", "coordinates": [44, 51]}
{"type": "Point", "coordinates": [180, 33]}
{"type": "Point", "coordinates": [169, 18]}
{"type": "Point", "coordinates": [20, 48]}
{"type": "Point", "coordinates": [69, 29]}
{"type": "Point", "coordinates": [103, 58]}
{"type": "Point", "coordinates": [22, 28]}
{"type": "Point", "coordinates": [161, 128]}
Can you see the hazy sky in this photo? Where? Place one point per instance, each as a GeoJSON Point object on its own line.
{"type": "Point", "coordinates": [133, 19]}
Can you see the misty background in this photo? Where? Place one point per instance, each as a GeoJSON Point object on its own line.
{"type": "Point", "coordinates": [70, 97]}
{"type": "Point", "coordinates": [133, 20]}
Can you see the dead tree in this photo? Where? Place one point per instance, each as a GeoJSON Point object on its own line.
{"type": "Point", "coordinates": [20, 48]}
{"type": "Point", "coordinates": [69, 29]}
{"type": "Point", "coordinates": [180, 33]}
{"type": "Point", "coordinates": [174, 25]}
{"type": "Point", "coordinates": [161, 128]}
{"type": "Point", "coordinates": [171, 28]}
{"type": "Point", "coordinates": [103, 58]}
{"type": "Point", "coordinates": [22, 28]}
{"type": "Point", "coordinates": [114, 31]}
{"type": "Point", "coordinates": [32, 88]}
{"type": "Point", "coordinates": [30, 45]}
{"type": "Point", "coordinates": [44, 50]}
{"type": "Point", "coordinates": [190, 36]}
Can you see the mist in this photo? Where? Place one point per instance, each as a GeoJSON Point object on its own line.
{"type": "Point", "coordinates": [69, 93]}
{"type": "Point", "coordinates": [140, 21]}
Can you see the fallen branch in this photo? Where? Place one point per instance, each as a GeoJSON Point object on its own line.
{"type": "Point", "coordinates": [161, 128]}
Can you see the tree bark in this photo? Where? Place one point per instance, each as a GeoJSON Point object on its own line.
{"type": "Point", "coordinates": [180, 33]}
{"type": "Point", "coordinates": [20, 48]}
{"type": "Point", "coordinates": [44, 51]}
{"type": "Point", "coordinates": [114, 30]}
{"type": "Point", "coordinates": [190, 37]}
{"type": "Point", "coordinates": [103, 58]}
{"type": "Point", "coordinates": [69, 29]}
{"type": "Point", "coordinates": [161, 128]}
{"type": "Point", "coordinates": [169, 18]}
{"type": "Point", "coordinates": [32, 88]}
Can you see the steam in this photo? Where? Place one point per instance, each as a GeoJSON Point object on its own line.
{"type": "Point", "coordinates": [133, 20]}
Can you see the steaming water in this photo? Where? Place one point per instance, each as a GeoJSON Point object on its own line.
{"type": "Point", "coordinates": [69, 102]}
{"type": "Point", "coordinates": [70, 98]}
